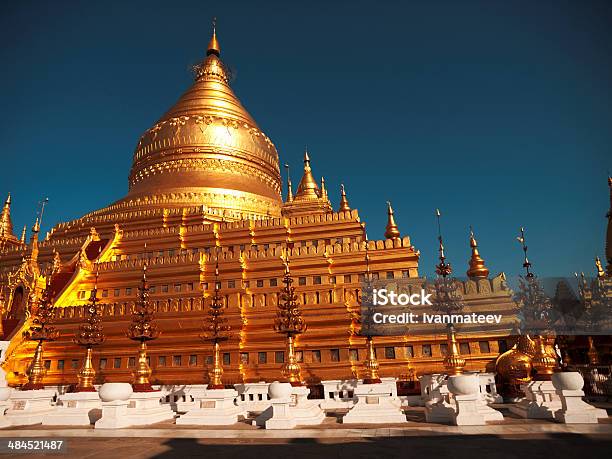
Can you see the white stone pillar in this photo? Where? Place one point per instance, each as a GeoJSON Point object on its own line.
{"type": "Point", "coordinates": [466, 396]}
{"type": "Point", "coordinates": [573, 409]}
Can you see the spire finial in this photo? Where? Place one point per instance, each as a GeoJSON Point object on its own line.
{"type": "Point", "coordinates": [213, 44]}
{"type": "Point", "coordinates": [476, 263]}
{"type": "Point", "coordinates": [526, 263]}
{"type": "Point", "coordinates": [344, 204]}
{"type": "Point", "coordinates": [323, 189]}
{"type": "Point", "coordinates": [23, 234]}
{"type": "Point", "coordinates": [6, 225]}
{"type": "Point", "coordinates": [443, 268]}
{"type": "Point", "coordinates": [392, 231]}
{"type": "Point", "coordinates": [289, 185]}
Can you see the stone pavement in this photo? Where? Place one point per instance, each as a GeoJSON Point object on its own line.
{"type": "Point", "coordinates": [510, 438]}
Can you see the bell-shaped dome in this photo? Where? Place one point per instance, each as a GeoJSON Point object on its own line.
{"type": "Point", "coordinates": [207, 150]}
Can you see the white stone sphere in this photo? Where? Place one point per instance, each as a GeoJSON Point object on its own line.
{"type": "Point", "coordinates": [278, 390]}
{"type": "Point", "coordinates": [463, 384]}
{"type": "Point", "coordinates": [115, 391]}
{"type": "Point", "coordinates": [568, 380]}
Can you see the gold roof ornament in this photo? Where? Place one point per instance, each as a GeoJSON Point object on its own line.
{"type": "Point", "coordinates": [477, 270]}
{"type": "Point", "coordinates": [23, 234]}
{"type": "Point", "coordinates": [213, 44]}
{"type": "Point", "coordinates": [289, 185]}
{"type": "Point", "coordinates": [206, 150]}
{"type": "Point", "coordinates": [392, 231]}
{"type": "Point", "coordinates": [599, 267]}
{"type": "Point", "coordinates": [309, 199]}
{"type": "Point", "coordinates": [6, 225]}
{"type": "Point", "coordinates": [344, 204]}
{"type": "Point", "coordinates": [308, 187]}
{"type": "Point", "coordinates": [323, 189]}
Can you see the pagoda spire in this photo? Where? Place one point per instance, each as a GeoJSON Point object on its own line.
{"type": "Point", "coordinates": [477, 270]}
{"type": "Point", "coordinates": [323, 189]}
{"type": "Point", "coordinates": [344, 204]}
{"type": "Point", "coordinates": [213, 44]}
{"type": "Point", "coordinates": [289, 185]}
{"type": "Point", "coordinates": [6, 225]}
{"type": "Point", "coordinates": [392, 231]}
{"type": "Point", "coordinates": [308, 187]}
{"type": "Point", "coordinates": [23, 234]}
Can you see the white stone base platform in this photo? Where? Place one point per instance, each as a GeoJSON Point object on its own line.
{"type": "Point", "coordinates": [141, 409]}
{"type": "Point", "coordinates": [540, 402]}
{"type": "Point", "coordinates": [287, 413]}
{"type": "Point", "coordinates": [215, 407]}
{"type": "Point", "coordinates": [374, 405]}
{"type": "Point", "coordinates": [29, 406]}
{"type": "Point", "coordinates": [75, 409]}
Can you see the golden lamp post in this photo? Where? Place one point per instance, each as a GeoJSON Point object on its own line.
{"type": "Point", "coordinates": [90, 334]}
{"type": "Point", "coordinates": [447, 300]}
{"type": "Point", "coordinates": [370, 364]}
{"type": "Point", "coordinates": [289, 322]}
{"type": "Point", "coordinates": [536, 305]}
{"type": "Point", "coordinates": [40, 330]}
{"type": "Point", "coordinates": [216, 330]}
{"type": "Point", "coordinates": [143, 329]}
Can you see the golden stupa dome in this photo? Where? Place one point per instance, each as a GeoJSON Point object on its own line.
{"type": "Point", "coordinates": [207, 150]}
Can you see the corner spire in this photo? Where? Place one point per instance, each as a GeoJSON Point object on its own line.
{"type": "Point", "coordinates": [213, 44]}
{"type": "Point", "coordinates": [477, 270]}
{"type": "Point", "coordinates": [23, 234]}
{"type": "Point", "coordinates": [6, 225]}
{"type": "Point", "coordinates": [392, 231]}
{"type": "Point", "coordinates": [323, 189]}
{"type": "Point", "coordinates": [308, 187]}
{"type": "Point", "coordinates": [289, 185]}
{"type": "Point", "coordinates": [344, 204]}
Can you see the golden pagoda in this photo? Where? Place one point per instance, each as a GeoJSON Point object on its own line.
{"type": "Point", "coordinates": [205, 179]}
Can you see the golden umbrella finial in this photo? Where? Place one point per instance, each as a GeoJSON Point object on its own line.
{"type": "Point", "coordinates": [213, 44]}
{"type": "Point", "coordinates": [526, 262]}
{"type": "Point", "coordinates": [443, 268]}
{"type": "Point", "coordinates": [344, 204]}
{"type": "Point", "coordinates": [477, 270]}
{"type": "Point", "coordinates": [392, 231]}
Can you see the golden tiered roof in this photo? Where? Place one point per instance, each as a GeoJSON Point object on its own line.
{"type": "Point", "coordinates": [206, 149]}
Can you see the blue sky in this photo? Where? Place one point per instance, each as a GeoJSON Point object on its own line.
{"type": "Point", "coordinates": [499, 113]}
